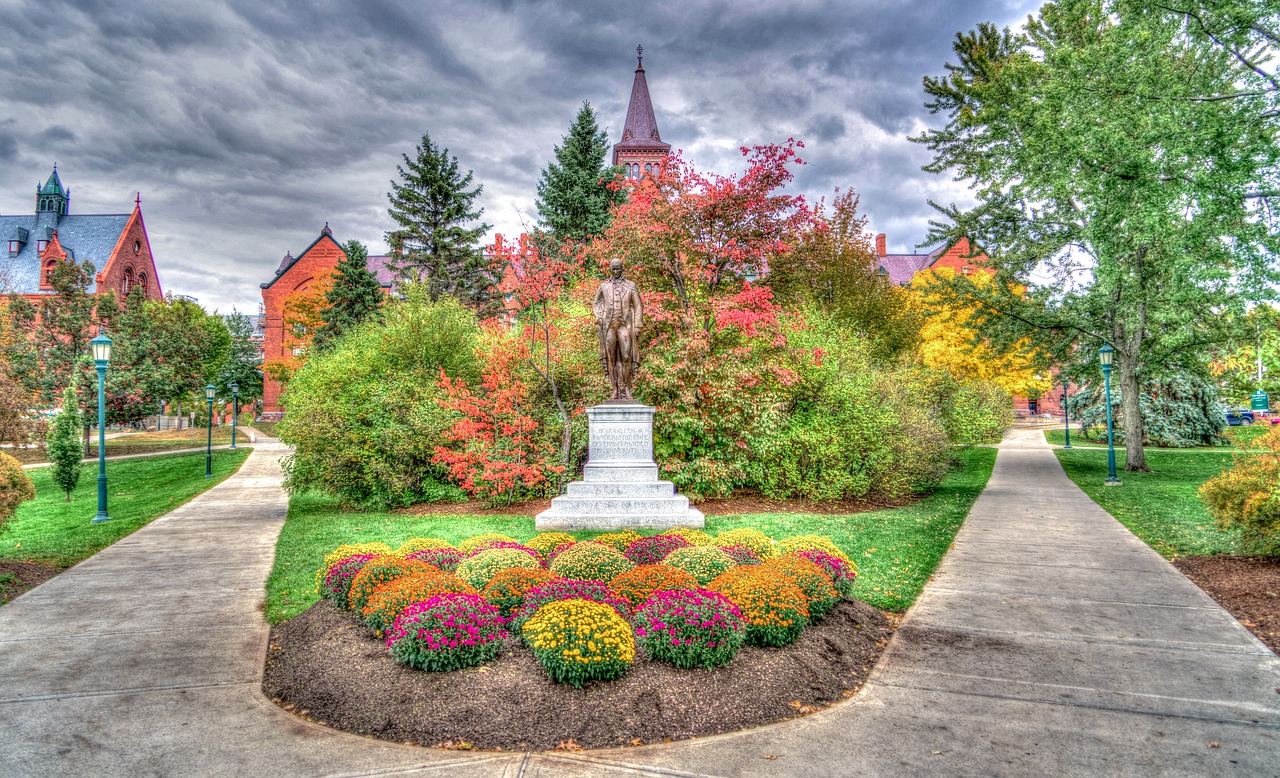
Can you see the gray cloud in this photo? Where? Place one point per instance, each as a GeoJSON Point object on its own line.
{"type": "Point", "coordinates": [247, 124]}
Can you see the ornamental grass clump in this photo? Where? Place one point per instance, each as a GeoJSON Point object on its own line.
{"type": "Point", "coordinates": [446, 559]}
{"type": "Point", "coordinates": [546, 542]}
{"type": "Point", "coordinates": [388, 600]}
{"type": "Point", "coordinates": [480, 569]}
{"type": "Point", "coordinates": [421, 544]}
{"type": "Point", "coordinates": [378, 571]}
{"type": "Point", "coordinates": [337, 582]}
{"type": "Point", "coordinates": [696, 537]}
{"type": "Point", "coordinates": [446, 632]}
{"type": "Point", "coordinates": [759, 543]}
{"type": "Point", "coordinates": [508, 588]}
{"type": "Point", "coordinates": [811, 579]}
{"type": "Point", "coordinates": [476, 541]}
{"type": "Point", "coordinates": [651, 551]}
{"type": "Point", "coordinates": [839, 572]}
{"type": "Point", "coordinates": [775, 609]}
{"type": "Point", "coordinates": [704, 563]}
{"type": "Point", "coordinates": [740, 554]}
{"type": "Point", "coordinates": [561, 589]}
{"type": "Point", "coordinates": [690, 628]}
{"type": "Point", "coordinates": [617, 540]}
{"type": "Point", "coordinates": [579, 641]}
{"type": "Point", "coordinates": [591, 561]}
{"type": "Point", "coordinates": [818, 542]}
{"type": "Point", "coordinates": [635, 586]}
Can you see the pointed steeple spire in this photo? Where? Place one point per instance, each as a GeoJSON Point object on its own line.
{"type": "Point", "coordinates": [52, 197]}
{"type": "Point", "coordinates": [640, 138]}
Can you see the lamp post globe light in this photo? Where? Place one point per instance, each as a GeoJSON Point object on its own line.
{"type": "Point", "coordinates": [235, 410]}
{"type": "Point", "coordinates": [101, 347]}
{"type": "Point", "coordinates": [209, 392]}
{"type": "Point", "coordinates": [1105, 356]}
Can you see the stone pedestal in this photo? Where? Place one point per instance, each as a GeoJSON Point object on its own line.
{"type": "Point", "coordinates": [620, 487]}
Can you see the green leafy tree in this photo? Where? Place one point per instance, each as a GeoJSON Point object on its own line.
{"type": "Point", "coordinates": [242, 366]}
{"type": "Point", "coordinates": [437, 240]}
{"type": "Point", "coordinates": [1118, 150]}
{"type": "Point", "coordinates": [65, 325]}
{"type": "Point", "coordinates": [574, 193]}
{"type": "Point", "coordinates": [64, 447]}
{"type": "Point", "coordinates": [355, 297]}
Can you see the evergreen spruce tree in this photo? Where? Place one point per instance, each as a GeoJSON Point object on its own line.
{"type": "Point", "coordinates": [64, 443]}
{"type": "Point", "coordinates": [573, 194]}
{"type": "Point", "coordinates": [355, 296]}
{"type": "Point", "coordinates": [433, 206]}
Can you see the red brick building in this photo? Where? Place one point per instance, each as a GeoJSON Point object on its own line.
{"type": "Point", "coordinates": [641, 149]}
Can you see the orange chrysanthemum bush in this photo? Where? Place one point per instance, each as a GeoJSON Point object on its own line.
{"type": "Point", "coordinates": [704, 563]}
{"type": "Point", "coordinates": [811, 579]}
{"type": "Point", "coordinates": [507, 589]}
{"type": "Point", "coordinates": [422, 544]}
{"type": "Point", "coordinates": [696, 537]}
{"type": "Point", "coordinates": [478, 541]}
{"type": "Point", "coordinates": [546, 542]}
{"type": "Point", "coordinates": [480, 569]}
{"type": "Point", "coordinates": [775, 609]}
{"type": "Point", "coordinates": [388, 600]}
{"type": "Point", "coordinates": [590, 561]}
{"type": "Point", "coordinates": [760, 544]}
{"type": "Point", "coordinates": [816, 542]}
{"type": "Point", "coordinates": [638, 584]}
{"type": "Point", "coordinates": [579, 641]}
{"type": "Point", "coordinates": [379, 571]}
{"type": "Point", "coordinates": [617, 540]}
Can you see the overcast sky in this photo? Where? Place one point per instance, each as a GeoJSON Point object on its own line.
{"type": "Point", "coordinates": [247, 125]}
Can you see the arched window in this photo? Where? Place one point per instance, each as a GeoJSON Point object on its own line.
{"type": "Point", "coordinates": [46, 277]}
{"type": "Point", "coordinates": [126, 283]}
{"type": "Point", "coordinates": [648, 168]}
{"type": "Point", "coordinates": [142, 283]}
{"type": "Point", "coordinates": [634, 171]}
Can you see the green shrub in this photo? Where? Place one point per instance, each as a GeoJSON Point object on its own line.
{"type": "Point", "coordinates": [363, 417]}
{"type": "Point", "coordinates": [704, 563]}
{"type": "Point", "coordinates": [590, 561]}
{"type": "Point", "coordinates": [978, 412]}
{"type": "Point", "coordinates": [64, 448]}
{"type": "Point", "coordinates": [15, 488]}
{"type": "Point", "coordinates": [480, 569]}
{"type": "Point", "coordinates": [1246, 496]}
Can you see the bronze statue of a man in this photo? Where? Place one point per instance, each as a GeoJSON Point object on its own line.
{"type": "Point", "coordinates": [617, 310]}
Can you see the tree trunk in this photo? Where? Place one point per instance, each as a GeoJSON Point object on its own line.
{"type": "Point", "coordinates": [1135, 458]}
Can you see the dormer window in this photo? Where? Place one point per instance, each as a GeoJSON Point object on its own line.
{"type": "Point", "coordinates": [14, 247]}
{"type": "Point", "coordinates": [41, 245]}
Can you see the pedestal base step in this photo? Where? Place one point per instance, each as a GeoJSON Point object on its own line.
{"type": "Point", "coordinates": [553, 520]}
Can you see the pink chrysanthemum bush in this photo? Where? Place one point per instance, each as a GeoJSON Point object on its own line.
{"type": "Point", "coordinates": [388, 600]}
{"type": "Point", "coordinates": [337, 582]}
{"type": "Point", "coordinates": [690, 628]}
{"type": "Point", "coordinates": [567, 589]}
{"type": "Point", "coordinates": [446, 559]}
{"type": "Point", "coordinates": [579, 641]}
{"type": "Point", "coordinates": [651, 551]}
{"type": "Point", "coordinates": [447, 632]}
{"type": "Point", "coordinates": [591, 561]}
{"type": "Point", "coordinates": [841, 574]}
{"type": "Point", "coordinates": [740, 554]}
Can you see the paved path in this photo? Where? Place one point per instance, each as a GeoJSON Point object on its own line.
{"type": "Point", "coordinates": [94, 460]}
{"type": "Point", "coordinates": [1051, 641]}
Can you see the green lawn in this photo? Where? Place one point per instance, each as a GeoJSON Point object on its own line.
{"type": "Point", "coordinates": [896, 549]}
{"type": "Point", "coordinates": [1162, 506]}
{"type": "Point", "coordinates": [49, 529]}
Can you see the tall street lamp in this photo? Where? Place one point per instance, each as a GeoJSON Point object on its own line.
{"type": "Point", "coordinates": [235, 410]}
{"type": "Point", "coordinates": [101, 347]}
{"type": "Point", "coordinates": [1066, 411]}
{"type": "Point", "coordinates": [209, 391]}
{"type": "Point", "coordinates": [1105, 355]}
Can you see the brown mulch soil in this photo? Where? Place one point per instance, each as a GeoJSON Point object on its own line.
{"type": "Point", "coordinates": [1248, 587]}
{"type": "Point", "coordinates": [738, 504]}
{"type": "Point", "coordinates": [18, 577]}
{"type": "Point", "coordinates": [326, 667]}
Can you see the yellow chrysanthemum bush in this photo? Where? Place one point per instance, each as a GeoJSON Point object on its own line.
{"type": "Point", "coordinates": [348, 550]}
{"type": "Point", "coordinates": [480, 569]}
{"type": "Point", "coordinates": [696, 537]}
{"type": "Point", "coordinates": [617, 540]}
{"type": "Point", "coordinates": [775, 609]}
{"type": "Point", "coordinates": [812, 580]}
{"type": "Point", "coordinates": [546, 542]}
{"type": "Point", "coordinates": [579, 641]}
{"type": "Point", "coordinates": [638, 584]}
{"type": "Point", "coordinates": [479, 541]}
{"type": "Point", "coordinates": [591, 561]}
{"type": "Point", "coordinates": [760, 544]}
{"type": "Point", "coordinates": [421, 544]}
{"type": "Point", "coordinates": [378, 571]}
{"type": "Point", "coordinates": [704, 563]}
{"type": "Point", "coordinates": [388, 600]}
{"type": "Point", "coordinates": [507, 590]}
{"type": "Point", "coordinates": [816, 542]}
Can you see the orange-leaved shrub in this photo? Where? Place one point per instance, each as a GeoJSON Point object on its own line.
{"type": "Point", "coordinates": [1247, 495]}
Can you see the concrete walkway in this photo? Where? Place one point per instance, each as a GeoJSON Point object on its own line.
{"type": "Point", "coordinates": [94, 460]}
{"type": "Point", "coordinates": [1051, 641]}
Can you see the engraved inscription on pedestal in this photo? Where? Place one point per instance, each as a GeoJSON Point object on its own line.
{"type": "Point", "coordinates": [620, 443]}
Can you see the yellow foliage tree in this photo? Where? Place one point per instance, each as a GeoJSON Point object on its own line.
{"type": "Point", "coordinates": [950, 340]}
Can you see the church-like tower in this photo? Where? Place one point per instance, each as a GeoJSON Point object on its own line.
{"type": "Point", "coordinates": [641, 148]}
{"type": "Point", "coordinates": [52, 197]}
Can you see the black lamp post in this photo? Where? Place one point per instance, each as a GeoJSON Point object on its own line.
{"type": "Point", "coordinates": [235, 410]}
{"type": "Point", "coordinates": [101, 347]}
{"type": "Point", "coordinates": [1105, 355]}
{"type": "Point", "coordinates": [209, 391]}
{"type": "Point", "coordinates": [1066, 411]}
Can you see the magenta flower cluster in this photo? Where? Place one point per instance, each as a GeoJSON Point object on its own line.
{"type": "Point", "coordinates": [337, 580]}
{"type": "Point", "coordinates": [447, 632]}
{"type": "Point", "coordinates": [568, 589]}
{"type": "Point", "coordinates": [651, 551]}
{"type": "Point", "coordinates": [690, 628]}
{"type": "Point", "coordinates": [741, 555]}
{"type": "Point", "coordinates": [557, 551]}
{"type": "Point", "coordinates": [842, 575]}
{"type": "Point", "coordinates": [492, 544]}
{"type": "Point", "coordinates": [446, 559]}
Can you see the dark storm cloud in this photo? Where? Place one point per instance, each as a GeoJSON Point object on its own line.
{"type": "Point", "coordinates": [248, 124]}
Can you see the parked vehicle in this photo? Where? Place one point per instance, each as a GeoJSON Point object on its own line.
{"type": "Point", "coordinates": [1239, 417]}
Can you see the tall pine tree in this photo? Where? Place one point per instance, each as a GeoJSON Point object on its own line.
{"type": "Point", "coordinates": [433, 206]}
{"type": "Point", "coordinates": [573, 194]}
{"type": "Point", "coordinates": [355, 296]}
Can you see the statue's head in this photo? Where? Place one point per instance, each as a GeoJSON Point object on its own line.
{"type": "Point", "coordinates": [615, 268]}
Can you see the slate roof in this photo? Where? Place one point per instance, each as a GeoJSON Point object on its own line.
{"type": "Point", "coordinates": [902, 267]}
{"type": "Point", "coordinates": [641, 128]}
{"type": "Point", "coordinates": [84, 236]}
